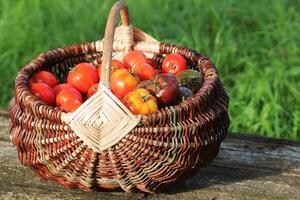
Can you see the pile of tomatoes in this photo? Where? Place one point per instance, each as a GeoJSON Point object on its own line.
{"type": "Point", "coordinates": [139, 82]}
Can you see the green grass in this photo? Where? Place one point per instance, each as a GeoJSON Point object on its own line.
{"type": "Point", "coordinates": [255, 46]}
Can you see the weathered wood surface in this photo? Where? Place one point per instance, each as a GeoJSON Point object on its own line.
{"type": "Point", "coordinates": [246, 168]}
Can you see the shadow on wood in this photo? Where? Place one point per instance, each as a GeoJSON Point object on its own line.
{"type": "Point", "coordinates": [244, 158]}
{"type": "Point", "coordinates": [247, 167]}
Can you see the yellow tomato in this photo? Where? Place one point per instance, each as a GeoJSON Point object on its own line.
{"type": "Point", "coordinates": [140, 101]}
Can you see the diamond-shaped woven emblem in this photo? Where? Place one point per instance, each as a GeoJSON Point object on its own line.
{"type": "Point", "coordinates": [102, 120]}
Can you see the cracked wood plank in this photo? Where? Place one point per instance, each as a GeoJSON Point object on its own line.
{"type": "Point", "coordinates": [247, 167]}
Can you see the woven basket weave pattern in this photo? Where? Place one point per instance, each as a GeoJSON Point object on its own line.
{"type": "Point", "coordinates": [175, 141]}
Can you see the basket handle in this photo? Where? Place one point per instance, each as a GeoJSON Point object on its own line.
{"type": "Point", "coordinates": [118, 7]}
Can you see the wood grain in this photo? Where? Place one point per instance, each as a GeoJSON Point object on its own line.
{"type": "Point", "coordinates": [247, 168]}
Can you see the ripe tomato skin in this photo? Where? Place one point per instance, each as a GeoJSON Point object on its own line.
{"type": "Point", "coordinates": [67, 96]}
{"type": "Point", "coordinates": [174, 64]}
{"type": "Point", "coordinates": [83, 76]}
{"type": "Point", "coordinates": [145, 71]}
{"type": "Point", "coordinates": [132, 58]}
{"type": "Point", "coordinates": [140, 101]}
{"type": "Point", "coordinates": [122, 82]}
{"type": "Point", "coordinates": [115, 64]}
{"type": "Point", "coordinates": [62, 86]}
{"type": "Point", "coordinates": [44, 93]}
{"type": "Point", "coordinates": [71, 105]}
{"type": "Point", "coordinates": [152, 62]}
{"type": "Point", "coordinates": [165, 87]}
{"type": "Point", "coordinates": [44, 77]}
{"type": "Point", "coordinates": [92, 90]}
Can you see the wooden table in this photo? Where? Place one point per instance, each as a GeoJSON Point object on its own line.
{"type": "Point", "coordinates": [247, 167]}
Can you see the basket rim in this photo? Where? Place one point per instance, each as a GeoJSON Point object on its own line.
{"type": "Point", "coordinates": [204, 65]}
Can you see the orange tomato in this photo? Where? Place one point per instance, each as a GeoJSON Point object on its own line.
{"type": "Point", "coordinates": [122, 82]}
{"type": "Point", "coordinates": [145, 71]}
{"type": "Point", "coordinates": [71, 106]}
{"type": "Point", "coordinates": [140, 101]}
{"type": "Point", "coordinates": [115, 64]}
{"type": "Point", "coordinates": [67, 95]}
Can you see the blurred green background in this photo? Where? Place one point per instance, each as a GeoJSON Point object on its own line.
{"type": "Point", "coordinates": [255, 45]}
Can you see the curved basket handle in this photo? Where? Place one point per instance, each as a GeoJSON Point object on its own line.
{"type": "Point", "coordinates": [118, 7]}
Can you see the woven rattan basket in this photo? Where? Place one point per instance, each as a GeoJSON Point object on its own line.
{"type": "Point", "coordinates": [103, 145]}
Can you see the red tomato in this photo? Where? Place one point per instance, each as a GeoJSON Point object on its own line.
{"type": "Point", "coordinates": [83, 76]}
{"type": "Point", "coordinates": [44, 77]}
{"type": "Point", "coordinates": [44, 93]}
{"type": "Point", "coordinates": [145, 71]}
{"type": "Point", "coordinates": [71, 105]}
{"type": "Point", "coordinates": [115, 64]}
{"type": "Point", "coordinates": [92, 90]}
{"type": "Point", "coordinates": [122, 82]}
{"type": "Point", "coordinates": [68, 95]}
{"type": "Point", "coordinates": [62, 86]}
{"type": "Point", "coordinates": [152, 62]}
{"type": "Point", "coordinates": [174, 64]}
{"type": "Point", "coordinates": [132, 58]}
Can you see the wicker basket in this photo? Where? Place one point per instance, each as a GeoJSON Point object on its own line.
{"type": "Point", "coordinates": [86, 150]}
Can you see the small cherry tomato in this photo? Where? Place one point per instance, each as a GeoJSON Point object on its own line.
{"type": "Point", "coordinates": [115, 64]}
{"type": "Point", "coordinates": [174, 64]}
{"type": "Point", "coordinates": [152, 62]}
{"type": "Point", "coordinates": [122, 82]}
{"type": "Point", "coordinates": [44, 77]}
{"type": "Point", "coordinates": [67, 95]}
{"type": "Point", "coordinates": [140, 101]}
{"type": "Point", "coordinates": [62, 86]}
{"type": "Point", "coordinates": [132, 58]}
{"type": "Point", "coordinates": [92, 90]}
{"type": "Point", "coordinates": [145, 71]}
{"type": "Point", "coordinates": [44, 93]}
{"type": "Point", "coordinates": [83, 76]}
